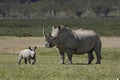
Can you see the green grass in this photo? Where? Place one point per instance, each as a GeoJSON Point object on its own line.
{"type": "Point", "coordinates": [33, 27]}
{"type": "Point", "coordinates": [47, 67]}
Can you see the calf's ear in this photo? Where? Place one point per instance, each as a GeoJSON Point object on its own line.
{"type": "Point", "coordinates": [29, 48]}
{"type": "Point", "coordinates": [35, 48]}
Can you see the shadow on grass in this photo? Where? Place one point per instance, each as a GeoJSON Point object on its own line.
{"type": "Point", "coordinates": [81, 64]}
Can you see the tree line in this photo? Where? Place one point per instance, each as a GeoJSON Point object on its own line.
{"type": "Point", "coordinates": [58, 8]}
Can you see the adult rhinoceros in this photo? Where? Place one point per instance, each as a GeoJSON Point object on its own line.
{"type": "Point", "coordinates": [78, 41]}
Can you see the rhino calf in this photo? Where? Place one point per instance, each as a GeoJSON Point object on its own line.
{"type": "Point", "coordinates": [29, 56]}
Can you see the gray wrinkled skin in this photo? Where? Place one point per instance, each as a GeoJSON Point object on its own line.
{"type": "Point", "coordinates": [29, 56]}
{"type": "Point", "coordinates": [74, 42]}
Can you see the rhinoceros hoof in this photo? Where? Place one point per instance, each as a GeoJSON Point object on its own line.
{"type": "Point", "coordinates": [69, 63]}
{"type": "Point", "coordinates": [61, 63]}
{"type": "Point", "coordinates": [88, 63]}
{"type": "Point", "coordinates": [98, 63]}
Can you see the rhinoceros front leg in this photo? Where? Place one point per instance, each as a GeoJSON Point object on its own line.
{"type": "Point", "coordinates": [61, 52]}
{"type": "Point", "coordinates": [70, 55]}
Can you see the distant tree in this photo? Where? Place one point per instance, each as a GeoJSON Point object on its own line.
{"type": "Point", "coordinates": [52, 7]}
{"type": "Point", "coordinates": [22, 1]}
{"type": "Point", "coordinates": [4, 9]}
{"type": "Point", "coordinates": [33, 0]}
{"type": "Point", "coordinates": [3, 13]}
{"type": "Point", "coordinates": [79, 13]}
{"type": "Point", "coordinates": [101, 7]}
{"type": "Point", "coordinates": [105, 11]}
{"type": "Point", "coordinates": [97, 10]}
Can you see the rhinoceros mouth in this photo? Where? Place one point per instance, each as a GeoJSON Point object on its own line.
{"type": "Point", "coordinates": [47, 45]}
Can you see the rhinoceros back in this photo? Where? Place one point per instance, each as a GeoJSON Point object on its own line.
{"type": "Point", "coordinates": [87, 40]}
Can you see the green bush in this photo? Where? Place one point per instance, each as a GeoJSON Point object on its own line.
{"type": "Point", "coordinates": [33, 27]}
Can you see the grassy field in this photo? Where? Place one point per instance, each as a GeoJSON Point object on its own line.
{"type": "Point", "coordinates": [33, 27]}
{"type": "Point", "coordinates": [47, 67]}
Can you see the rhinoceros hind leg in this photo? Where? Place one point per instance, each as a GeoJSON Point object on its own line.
{"type": "Point", "coordinates": [98, 53]}
{"type": "Point", "coordinates": [90, 57]}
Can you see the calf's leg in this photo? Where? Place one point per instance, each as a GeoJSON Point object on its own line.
{"type": "Point", "coordinates": [33, 61]}
{"type": "Point", "coordinates": [25, 60]}
{"type": "Point", "coordinates": [19, 60]}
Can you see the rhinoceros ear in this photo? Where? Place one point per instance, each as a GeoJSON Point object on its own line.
{"type": "Point", "coordinates": [53, 27]}
{"type": "Point", "coordinates": [60, 27]}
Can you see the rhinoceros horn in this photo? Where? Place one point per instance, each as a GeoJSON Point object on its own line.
{"type": "Point", "coordinates": [45, 34]}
